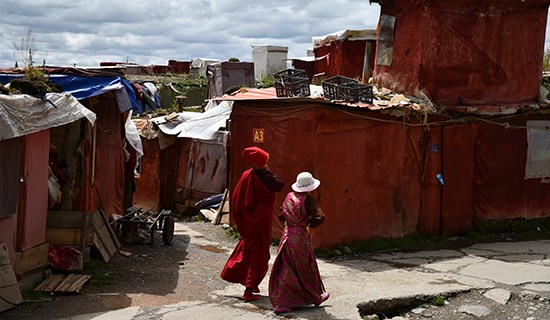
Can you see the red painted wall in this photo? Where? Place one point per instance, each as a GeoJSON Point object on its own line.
{"type": "Point", "coordinates": [464, 53]}
{"type": "Point", "coordinates": [378, 178]}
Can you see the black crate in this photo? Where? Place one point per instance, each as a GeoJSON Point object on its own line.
{"type": "Point", "coordinates": [289, 73]}
{"type": "Point", "coordinates": [292, 87]}
{"type": "Point", "coordinates": [356, 92]}
{"type": "Point", "coordinates": [331, 90]}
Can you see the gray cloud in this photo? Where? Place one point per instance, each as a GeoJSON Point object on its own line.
{"type": "Point", "coordinates": [153, 32]}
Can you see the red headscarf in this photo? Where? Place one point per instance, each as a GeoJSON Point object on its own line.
{"type": "Point", "coordinates": [256, 156]}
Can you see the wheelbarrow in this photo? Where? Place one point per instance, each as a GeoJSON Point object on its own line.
{"type": "Point", "coordinates": [151, 221]}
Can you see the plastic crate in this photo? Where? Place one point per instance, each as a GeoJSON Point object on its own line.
{"type": "Point", "coordinates": [290, 73]}
{"type": "Point", "coordinates": [292, 87]}
{"type": "Point", "coordinates": [356, 92]}
{"type": "Point", "coordinates": [331, 89]}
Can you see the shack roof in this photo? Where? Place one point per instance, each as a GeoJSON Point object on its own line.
{"type": "Point", "coordinates": [347, 34]}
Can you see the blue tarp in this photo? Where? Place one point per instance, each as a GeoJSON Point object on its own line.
{"type": "Point", "coordinates": [82, 87]}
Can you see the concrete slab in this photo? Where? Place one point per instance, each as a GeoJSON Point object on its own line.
{"type": "Point", "coordinates": [540, 287]}
{"type": "Point", "coordinates": [498, 295]}
{"type": "Point", "coordinates": [454, 265]}
{"type": "Point", "coordinates": [540, 246]}
{"type": "Point", "coordinates": [422, 256]}
{"type": "Point", "coordinates": [507, 272]}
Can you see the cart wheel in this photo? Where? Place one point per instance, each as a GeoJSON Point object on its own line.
{"type": "Point", "coordinates": [168, 230]}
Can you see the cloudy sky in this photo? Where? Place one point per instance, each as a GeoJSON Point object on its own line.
{"type": "Point", "coordinates": [155, 31]}
{"type": "Point", "coordinates": [86, 32]}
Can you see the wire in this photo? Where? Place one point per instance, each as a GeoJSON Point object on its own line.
{"type": "Point", "coordinates": [424, 122]}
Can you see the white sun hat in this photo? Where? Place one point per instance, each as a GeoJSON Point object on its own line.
{"type": "Point", "coordinates": [305, 182]}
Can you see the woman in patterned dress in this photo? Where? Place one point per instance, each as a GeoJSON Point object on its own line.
{"type": "Point", "coordinates": [295, 280]}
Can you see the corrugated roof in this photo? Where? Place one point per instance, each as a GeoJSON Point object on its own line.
{"type": "Point", "coordinates": [387, 99]}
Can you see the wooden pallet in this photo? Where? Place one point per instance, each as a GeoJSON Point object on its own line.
{"type": "Point", "coordinates": [83, 230]}
{"type": "Point", "coordinates": [10, 295]}
{"type": "Point", "coordinates": [66, 283]}
{"type": "Point", "coordinates": [223, 211]}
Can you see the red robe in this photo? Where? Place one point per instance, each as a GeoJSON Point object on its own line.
{"type": "Point", "coordinates": [252, 208]}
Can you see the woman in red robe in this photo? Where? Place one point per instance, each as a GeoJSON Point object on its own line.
{"type": "Point", "coordinates": [252, 209]}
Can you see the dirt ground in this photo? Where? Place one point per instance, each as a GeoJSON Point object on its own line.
{"type": "Point", "coordinates": [159, 275]}
{"type": "Point", "coordinates": [148, 276]}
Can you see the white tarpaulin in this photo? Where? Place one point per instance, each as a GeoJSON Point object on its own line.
{"type": "Point", "coordinates": [23, 114]}
{"type": "Point", "coordinates": [196, 125]}
{"type": "Point", "coordinates": [352, 35]}
{"type": "Point", "coordinates": [538, 150]}
{"type": "Point", "coordinates": [200, 64]}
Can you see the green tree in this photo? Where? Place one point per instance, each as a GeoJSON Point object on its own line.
{"type": "Point", "coordinates": [546, 61]}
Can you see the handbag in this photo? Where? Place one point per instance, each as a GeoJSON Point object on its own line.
{"type": "Point", "coordinates": [316, 218]}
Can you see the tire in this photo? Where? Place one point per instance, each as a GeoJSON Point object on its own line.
{"type": "Point", "coordinates": [168, 230]}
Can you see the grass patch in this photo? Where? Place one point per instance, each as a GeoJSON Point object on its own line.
{"type": "Point", "coordinates": [232, 234]}
{"type": "Point", "coordinates": [483, 231]}
{"type": "Point", "coordinates": [96, 268]}
{"type": "Point", "coordinates": [510, 229]}
{"type": "Point", "coordinates": [408, 243]}
{"type": "Point", "coordinates": [438, 301]}
{"type": "Point", "coordinates": [31, 295]}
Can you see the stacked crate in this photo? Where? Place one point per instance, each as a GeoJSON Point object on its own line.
{"type": "Point", "coordinates": [342, 88]}
{"type": "Point", "coordinates": [292, 83]}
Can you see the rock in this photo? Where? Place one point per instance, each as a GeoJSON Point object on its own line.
{"type": "Point", "coordinates": [499, 295]}
{"type": "Point", "coordinates": [124, 253]}
{"type": "Point", "coordinates": [346, 250]}
{"type": "Point", "coordinates": [418, 310]}
{"type": "Point", "coordinates": [371, 317]}
{"type": "Point", "coordinates": [475, 310]}
{"type": "Point", "coordinates": [337, 252]}
{"type": "Point", "coordinates": [525, 294]}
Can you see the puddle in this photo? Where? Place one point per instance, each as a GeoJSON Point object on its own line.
{"type": "Point", "coordinates": [212, 249]}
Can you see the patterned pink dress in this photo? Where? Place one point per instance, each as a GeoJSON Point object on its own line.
{"type": "Point", "coordinates": [295, 280]}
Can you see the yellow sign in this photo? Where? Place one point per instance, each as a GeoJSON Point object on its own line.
{"type": "Point", "coordinates": [258, 135]}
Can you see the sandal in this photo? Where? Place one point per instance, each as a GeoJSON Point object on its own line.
{"type": "Point", "coordinates": [256, 289]}
{"type": "Point", "coordinates": [249, 296]}
{"type": "Point", "coordinates": [324, 297]}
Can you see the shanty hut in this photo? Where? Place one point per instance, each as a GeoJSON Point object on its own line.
{"type": "Point", "coordinates": [462, 53]}
{"type": "Point", "coordinates": [348, 53]}
{"type": "Point", "coordinates": [399, 166]}
{"type": "Point", "coordinates": [27, 185]}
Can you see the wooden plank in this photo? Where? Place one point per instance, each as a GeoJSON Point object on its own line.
{"type": "Point", "coordinates": [112, 232]}
{"type": "Point", "coordinates": [32, 259]}
{"type": "Point", "coordinates": [209, 214]}
{"type": "Point", "coordinates": [4, 258]}
{"type": "Point", "coordinates": [52, 282]}
{"type": "Point", "coordinates": [71, 143]}
{"type": "Point", "coordinates": [105, 236]}
{"type": "Point", "coordinates": [10, 297]}
{"type": "Point", "coordinates": [68, 283]}
{"type": "Point", "coordinates": [102, 251]}
{"type": "Point", "coordinates": [71, 237]}
{"type": "Point", "coordinates": [78, 283]}
{"type": "Point", "coordinates": [105, 239]}
{"type": "Point", "coordinates": [223, 208]}
{"type": "Point", "coordinates": [84, 236]}
{"type": "Point", "coordinates": [66, 219]}
{"type": "Point", "coordinates": [7, 276]}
